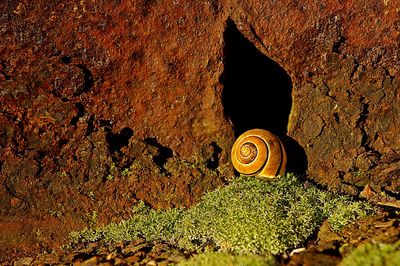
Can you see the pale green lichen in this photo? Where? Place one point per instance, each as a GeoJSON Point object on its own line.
{"type": "Point", "coordinates": [217, 259]}
{"type": "Point", "coordinates": [145, 222]}
{"type": "Point", "coordinates": [244, 217]}
{"type": "Point", "coordinates": [253, 216]}
{"type": "Point", "coordinates": [373, 254]}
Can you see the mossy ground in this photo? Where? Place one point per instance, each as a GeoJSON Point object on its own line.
{"type": "Point", "coordinates": [248, 216]}
{"type": "Point", "coordinates": [373, 254]}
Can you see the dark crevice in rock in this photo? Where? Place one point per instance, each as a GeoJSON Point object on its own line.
{"type": "Point", "coordinates": [297, 161]}
{"type": "Point", "coordinates": [337, 44]}
{"type": "Point", "coordinates": [349, 95]}
{"type": "Point", "coordinates": [90, 126]}
{"type": "Point", "coordinates": [355, 71]}
{"type": "Point", "coordinates": [387, 73]}
{"type": "Point", "coordinates": [341, 176]}
{"type": "Point", "coordinates": [336, 117]}
{"type": "Point", "coordinates": [392, 159]}
{"type": "Point", "coordinates": [118, 140]}
{"type": "Point", "coordinates": [214, 6]}
{"type": "Point", "coordinates": [2, 71]}
{"type": "Point", "coordinates": [65, 59]}
{"type": "Point", "coordinates": [41, 155]}
{"type": "Point", "coordinates": [105, 123]}
{"type": "Point", "coordinates": [259, 40]}
{"type": "Point", "coordinates": [58, 95]}
{"type": "Point", "coordinates": [62, 143]}
{"type": "Point", "coordinates": [88, 79]}
{"type": "Point", "coordinates": [364, 113]}
{"type": "Point", "coordinates": [360, 124]}
{"type": "Point", "coordinates": [257, 90]}
{"type": "Point", "coordinates": [213, 162]}
{"type": "Point", "coordinates": [13, 192]}
{"type": "Point", "coordinates": [392, 194]}
{"type": "Point", "coordinates": [63, 99]}
{"type": "Point", "coordinates": [17, 121]}
{"type": "Point", "coordinates": [137, 56]}
{"type": "Point", "coordinates": [322, 129]}
{"type": "Point", "coordinates": [327, 92]}
{"type": "Point", "coordinates": [147, 6]}
{"type": "Point", "coordinates": [81, 112]}
{"type": "Point", "coordinates": [163, 153]}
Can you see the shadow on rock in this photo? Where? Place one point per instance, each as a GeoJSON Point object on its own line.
{"type": "Point", "coordinates": [297, 158]}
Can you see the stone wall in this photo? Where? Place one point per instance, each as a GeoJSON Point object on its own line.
{"type": "Point", "coordinates": [103, 103]}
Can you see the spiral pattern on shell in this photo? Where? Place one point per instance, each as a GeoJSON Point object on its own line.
{"type": "Point", "coordinates": [260, 153]}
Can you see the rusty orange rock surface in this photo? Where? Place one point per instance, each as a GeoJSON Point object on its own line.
{"type": "Point", "coordinates": [106, 103]}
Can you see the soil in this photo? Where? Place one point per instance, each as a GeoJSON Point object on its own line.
{"type": "Point", "coordinates": [106, 103]}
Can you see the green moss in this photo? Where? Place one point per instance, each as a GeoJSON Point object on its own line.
{"type": "Point", "coordinates": [342, 211]}
{"type": "Point", "coordinates": [217, 259]}
{"type": "Point", "coordinates": [109, 177]}
{"type": "Point", "coordinates": [145, 222]}
{"type": "Point", "coordinates": [126, 172]}
{"type": "Point", "coordinates": [244, 217]}
{"type": "Point", "coordinates": [373, 254]}
{"type": "Point", "coordinates": [253, 216]}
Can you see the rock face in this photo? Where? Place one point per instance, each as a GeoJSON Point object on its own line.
{"type": "Point", "coordinates": [106, 103]}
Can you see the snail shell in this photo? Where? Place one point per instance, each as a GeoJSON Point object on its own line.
{"type": "Point", "coordinates": [260, 153]}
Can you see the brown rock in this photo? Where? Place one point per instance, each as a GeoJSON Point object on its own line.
{"type": "Point", "coordinates": [133, 259]}
{"type": "Point", "coordinates": [90, 262]}
{"type": "Point", "coordinates": [48, 258]}
{"type": "Point", "coordinates": [151, 263]}
{"type": "Point", "coordinates": [310, 259]}
{"type": "Point", "coordinates": [141, 101]}
{"type": "Point", "coordinates": [131, 249]}
{"type": "Point", "coordinates": [104, 264]}
{"type": "Point", "coordinates": [119, 261]}
{"type": "Point", "coordinates": [23, 262]}
{"type": "Point", "coordinates": [38, 263]}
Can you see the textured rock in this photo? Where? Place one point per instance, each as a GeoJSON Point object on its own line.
{"type": "Point", "coordinates": [147, 253]}
{"type": "Point", "coordinates": [105, 103]}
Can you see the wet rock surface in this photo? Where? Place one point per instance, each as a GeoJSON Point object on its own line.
{"type": "Point", "coordinates": [106, 103]}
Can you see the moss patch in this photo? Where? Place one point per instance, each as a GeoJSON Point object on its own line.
{"type": "Point", "coordinates": [373, 254]}
{"type": "Point", "coordinates": [145, 222]}
{"type": "Point", "coordinates": [217, 259]}
{"type": "Point", "coordinates": [244, 217]}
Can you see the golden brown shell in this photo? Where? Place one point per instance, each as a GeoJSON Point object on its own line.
{"type": "Point", "coordinates": [260, 153]}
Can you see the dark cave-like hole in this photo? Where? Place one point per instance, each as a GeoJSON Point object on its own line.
{"type": "Point", "coordinates": [81, 112]}
{"type": "Point", "coordinates": [164, 153]}
{"type": "Point", "coordinates": [90, 126]}
{"type": "Point", "coordinates": [65, 59]}
{"type": "Point", "coordinates": [3, 72]}
{"type": "Point", "coordinates": [105, 123]}
{"type": "Point", "coordinates": [257, 90]}
{"type": "Point", "coordinates": [258, 94]}
{"type": "Point", "coordinates": [88, 79]}
{"type": "Point", "coordinates": [119, 140]}
{"type": "Point", "coordinates": [213, 162]}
